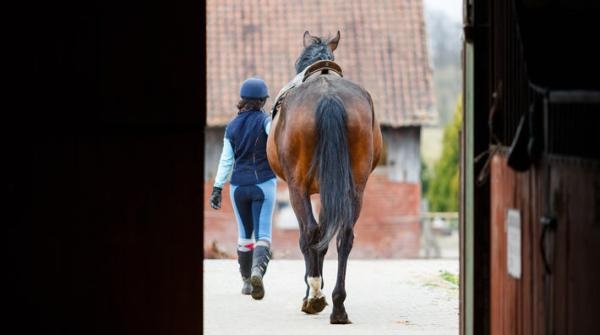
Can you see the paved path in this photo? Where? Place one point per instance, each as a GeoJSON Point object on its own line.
{"type": "Point", "coordinates": [383, 297]}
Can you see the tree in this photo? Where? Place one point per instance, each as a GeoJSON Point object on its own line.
{"type": "Point", "coordinates": [443, 186]}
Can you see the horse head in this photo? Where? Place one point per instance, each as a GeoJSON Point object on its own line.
{"type": "Point", "coordinates": [316, 48]}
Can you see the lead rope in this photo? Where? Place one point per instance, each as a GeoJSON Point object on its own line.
{"type": "Point", "coordinates": [494, 142]}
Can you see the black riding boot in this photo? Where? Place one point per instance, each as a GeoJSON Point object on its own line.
{"type": "Point", "coordinates": [245, 262]}
{"type": "Point", "coordinates": [260, 260]}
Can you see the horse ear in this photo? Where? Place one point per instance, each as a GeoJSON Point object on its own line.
{"type": "Point", "coordinates": [307, 40]}
{"type": "Point", "coordinates": [333, 43]}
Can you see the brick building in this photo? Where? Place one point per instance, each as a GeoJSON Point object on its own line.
{"type": "Point", "coordinates": [384, 49]}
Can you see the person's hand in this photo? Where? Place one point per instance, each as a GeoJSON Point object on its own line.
{"type": "Point", "coordinates": [215, 198]}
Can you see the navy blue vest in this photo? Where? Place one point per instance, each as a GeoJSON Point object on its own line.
{"type": "Point", "coordinates": [246, 132]}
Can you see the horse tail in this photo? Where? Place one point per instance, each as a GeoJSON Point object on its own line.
{"type": "Point", "coordinates": [331, 162]}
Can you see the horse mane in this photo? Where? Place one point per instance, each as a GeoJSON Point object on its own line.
{"type": "Point", "coordinates": [318, 50]}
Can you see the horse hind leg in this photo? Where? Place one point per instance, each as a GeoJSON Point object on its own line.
{"type": "Point", "coordinates": [317, 301]}
{"type": "Point", "coordinates": [345, 240]}
{"type": "Point", "coordinates": [314, 300]}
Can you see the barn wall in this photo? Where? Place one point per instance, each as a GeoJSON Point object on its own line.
{"type": "Point", "coordinates": [525, 88]}
{"type": "Point", "coordinates": [403, 153]}
{"type": "Point", "coordinates": [103, 170]}
{"type": "Point", "coordinates": [513, 307]}
{"type": "Point", "coordinates": [518, 305]}
{"type": "Point", "coordinates": [575, 198]}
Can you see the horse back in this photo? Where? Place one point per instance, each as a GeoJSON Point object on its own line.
{"type": "Point", "coordinates": [293, 137]}
{"type": "Point", "coordinates": [364, 133]}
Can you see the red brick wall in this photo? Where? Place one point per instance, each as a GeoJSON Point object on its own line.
{"type": "Point", "coordinates": [388, 226]}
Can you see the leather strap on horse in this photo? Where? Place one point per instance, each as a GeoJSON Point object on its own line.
{"type": "Point", "coordinates": [319, 67]}
{"type": "Point", "coordinates": [322, 67]}
{"type": "Point", "coordinates": [279, 102]}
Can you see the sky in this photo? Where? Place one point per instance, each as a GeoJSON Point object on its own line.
{"type": "Point", "coordinates": [451, 7]}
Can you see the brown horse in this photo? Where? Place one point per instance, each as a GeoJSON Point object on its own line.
{"type": "Point", "coordinates": [325, 139]}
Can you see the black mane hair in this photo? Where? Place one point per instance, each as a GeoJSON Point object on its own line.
{"type": "Point", "coordinates": [318, 50]}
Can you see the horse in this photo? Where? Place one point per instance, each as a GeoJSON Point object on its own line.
{"type": "Point", "coordinates": [324, 139]}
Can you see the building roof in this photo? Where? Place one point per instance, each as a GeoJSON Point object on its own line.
{"type": "Point", "coordinates": [383, 47]}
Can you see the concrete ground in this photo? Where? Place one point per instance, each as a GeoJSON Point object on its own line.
{"type": "Point", "coordinates": [383, 297]}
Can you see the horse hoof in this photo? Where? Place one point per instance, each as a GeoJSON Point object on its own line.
{"type": "Point", "coordinates": [313, 306]}
{"type": "Point", "coordinates": [339, 319]}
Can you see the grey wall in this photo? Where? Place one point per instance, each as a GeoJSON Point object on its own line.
{"type": "Point", "coordinates": [403, 153]}
{"type": "Point", "coordinates": [213, 146]}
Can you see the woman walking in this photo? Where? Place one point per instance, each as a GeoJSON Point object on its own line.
{"type": "Point", "coordinates": [253, 183]}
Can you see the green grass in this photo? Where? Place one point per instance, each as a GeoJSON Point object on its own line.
{"type": "Point", "coordinates": [449, 277]}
